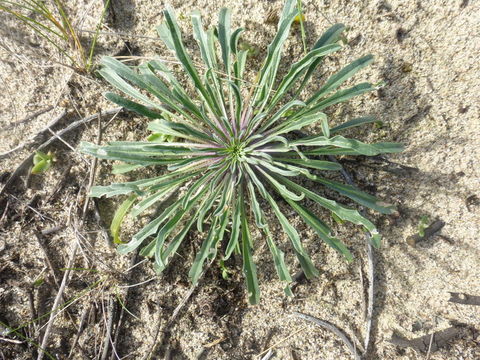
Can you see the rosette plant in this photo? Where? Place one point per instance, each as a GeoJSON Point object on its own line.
{"type": "Point", "coordinates": [233, 148]}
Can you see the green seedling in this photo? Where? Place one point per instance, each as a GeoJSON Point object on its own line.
{"type": "Point", "coordinates": [224, 269]}
{"type": "Point", "coordinates": [424, 223]}
{"type": "Point", "coordinates": [42, 162]}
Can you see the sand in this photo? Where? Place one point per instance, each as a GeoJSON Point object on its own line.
{"type": "Point", "coordinates": [427, 54]}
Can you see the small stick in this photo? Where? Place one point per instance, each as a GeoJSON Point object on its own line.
{"type": "Point", "coordinates": [93, 168]}
{"type": "Point", "coordinates": [431, 230]}
{"type": "Point", "coordinates": [429, 348]}
{"type": "Point", "coordinates": [4, 214]}
{"type": "Point", "coordinates": [52, 230]}
{"type": "Point", "coordinates": [123, 305]}
{"type": "Point", "coordinates": [36, 136]}
{"type": "Point", "coordinates": [108, 334]}
{"type": "Point", "coordinates": [80, 328]}
{"type": "Point", "coordinates": [362, 285]}
{"type": "Point", "coordinates": [173, 317]}
{"type": "Point", "coordinates": [281, 341]}
{"type": "Point", "coordinates": [74, 250]}
{"type": "Point", "coordinates": [464, 299]}
{"type": "Point", "coordinates": [11, 340]}
{"type": "Point", "coordinates": [332, 328]}
{"type": "Point", "coordinates": [268, 356]}
{"type": "Point", "coordinates": [28, 205]}
{"type": "Point", "coordinates": [47, 258]}
{"type": "Point", "coordinates": [60, 183]}
{"type": "Point", "coordinates": [101, 224]}
{"type": "Point", "coordinates": [56, 303]}
{"type": "Point", "coordinates": [29, 117]}
{"type": "Point", "coordinates": [371, 269]}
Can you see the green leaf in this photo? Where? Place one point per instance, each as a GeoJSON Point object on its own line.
{"type": "Point", "coordinates": [124, 168]}
{"type": "Point", "coordinates": [249, 268]}
{"type": "Point", "coordinates": [206, 205]}
{"type": "Point", "coordinates": [325, 127]}
{"type": "Point", "coordinates": [298, 124]}
{"type": "Point", "coordinates": [197, 267]}
{"type": "Point", "coordinates": [171, 224]}
{"type": "Point", "coordinates": [305, 261]}
{"type": "Point", "coordinates": [342, 212]}
{"type": "Point", "coordinates": [235, 234]}
{"type": "Point", "coordinates": [346, 143]}
{"type": "Point", "coordinates": [282, 190]}
{"type": "Point", "coordinates": [297, 69]}
{"type": "Point", "coordinates": [282, 112]}
{"type": "Point", "coordinates": [315, 164]}
{"type": "Point", "coordinates": [174, 244]}
{"type": "Point", "coordinates": [257, 212]}
{"type": "Point", "coordinates": [178, 130]}
{"type": "Point", "coordinates": [331, 36]}
{"type": "Point", "coordinates": [341, 96]}
{"type": "Point", "coordinates": [120, 213]}
{"type": "Point", "coordinates": [320, 228]}
{"type": "Point", "coordinates": [352, 123]}
{"type": "Point", "coordinates": [114, 189]}
{"type": "Point", "coordinates": [42, 162]}
{"type": "Point", "coordinates": [224, 37]}
{"type": "Point", "coordinates": [357, 195]}
{"type": "Point", "coordinates": [147, 230]}
{"type": "Point", "coordinates": [278, 257]}
{"type": "Point", "coordinates": [269, 69]}
{"type": "Point", "coordinates": [132, 106]}
{"type": "Point", "coordinates": [340, 77]}
{"type": "Point", "coordinates": [177, 43]}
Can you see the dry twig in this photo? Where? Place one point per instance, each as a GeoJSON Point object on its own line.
{"type": "Point", "coordinates": [29, 118]}
{"type": "Point", "coordinates": [66, 276]}
{"type": "Point", "coordinates": [36, 136]}
{"type": "Point", "coordinates": [326, 325]}
{"type": "Point", "coordinates": [173, 317]}
{"type": "Point", "coordinates": [371, 270]}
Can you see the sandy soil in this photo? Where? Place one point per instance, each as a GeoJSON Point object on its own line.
{"type": "Point", "coordinates": [426, 53]}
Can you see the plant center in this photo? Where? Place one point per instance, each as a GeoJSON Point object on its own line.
{"type": "Point", "coordinates": [236, 151]}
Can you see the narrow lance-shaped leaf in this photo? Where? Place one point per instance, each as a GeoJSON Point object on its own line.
{"type": "Point", "coordinates": [342, 212]}
{"type": "Point", "coordinates": [342, 142]}
{"type": "Point", "coordinates": [315, 164]}
{"type": "Point", "coordinates": [278, 258]}
{"type": "Point", "coordinates": [120, 213]}
{"type": "Point", "coordinates": [147, 230]}
{"type": "Point", "coordinates": [305, 261]}
{"type": "Point", "coordinates": [132, 106]}
{"type": "Point", "coordinates": [197, 267]}
{"type": "Point", "coordinates": [249, 268]}
{"type": "Point", "coordinates": [331, 36]}
{"type": "Point", "coordinates": [257, 212]}
{"type": "Point", "coordinates": [235, 231]}
{"type": "Point", "coordinates": [353, 123]}
{"type": "Point", "coordinates": [171, 225]}
{"type": "Point", "coordinates": [297, 69]}
{"type": "Point", "coordinates": [357, 195]}
{"type": "Point", "coordinates": [340, 77]}
{"type": "Point", "coordinates": [340, 96]}
{"type": "Point", "coordinates": [269, 69]}
{"type": "Point", "coordinates": [320, 228]}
